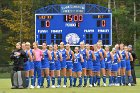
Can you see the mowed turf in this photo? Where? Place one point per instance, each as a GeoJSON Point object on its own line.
{"type": "Point", "coordinates": [5, 86]}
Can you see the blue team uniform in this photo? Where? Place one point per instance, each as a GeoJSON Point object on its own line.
{"type": "Point", "coordinates": [107, 60]}
{"type": "Point", "coordinates": [52, 62]}
{"type": "Point", "coordinates": [77, 63]}
{"type": "Point", "coordinates": [69, 62]}
{"type": "Point", "coordinates": [27, 63]}
{"type": "Point", "coordinates": [45, 62]}
{"type": "Point", "coordinates": [123, 60]}
{"type": "Point", "coordinates": [115, 63]}
{"type": "Point", "coordinates": [128, 66]}
{"type": "Point", "coordinates": [90, 61]}
{"type": "Point", "coordinates": [119, 63]}
{"type": "Point", "coordinates": [63, 63]}
{"type": "Point", "coordinates": [96, 63]}
{"type": "Point", "coordinates": [102, 62]}
{"type": "Point", "coordinates": [83, 53]}
{"type": "Point", "coordinates": [57, 62]}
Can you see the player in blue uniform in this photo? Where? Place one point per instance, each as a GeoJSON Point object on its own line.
{"type": "Point", "coordinates": [77, 67]}
{"type": "Point", "coordinates": [52, 65]}
{"type": "Point", "coordinates": [115, 67]}
{"type": "Point", "coordinates": [58, 58]}
{"type": "Point", "coordinates": [128, 66]}
{"type": "Point", "coordinates": [27, 63]}
{"type": "Point", "coordinates": [119, 63]}
{"type": "Point", "coordinates": [99, 44]}
{"type": "Point", "coordinates": [69, 63]}
{"type": "Point", "coordinates": [45, 65]}
{"type": "Point", "coordinates": [65, 56]}
{"type": "Point", "coordinates": [108, 63]}
{"type": "Point", "coordinates": [90, 58]}
{"type": "Point", "coordinates": [97, 66]}
{"type": "Point", "coordinates": [84, 64]}
{"type": "Point", "coordinates": [123, 63]}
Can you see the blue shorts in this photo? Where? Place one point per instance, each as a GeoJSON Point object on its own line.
{"type": "Point", "coordinates": [37, 65]}
{"type": "Point", "coordinates": [123, 63]}
{"type": "Point", "coordinates": [57, 65]}
{"type": "Point", "coordinates": [77, 68]}
{"type": "Point", "coordinates": [114, 67]}
{"type": "Point", "coordinates": [52, 65]}
{"type": "Point", "coordinates": [45, 64]}
{"type": "Point", "coordinates": [96, 68]}
{"type": "Point", "coordinates": [102, 64]}
{"type": "Point", "coordinates": [119, 64]}
{"type": "Point", "coordinates": [89, 65]}
{"type": "Point", "coordinates": [108, 66]}
{"type": "Point", "coordinates": [27, 66]}
{"type": "Point", "coordinates": [63, 64]}
{"type": "Point", "coordinates": [128, 66]}
{"type": "Point", "coordinates": [31, 65]}
{"type": "Point", "coordinates": [84, 64]}
{"type": "Point", "coordinates": [69, 64]}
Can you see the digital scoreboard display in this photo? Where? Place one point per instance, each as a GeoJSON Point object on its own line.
{"type": "Point", "coordinates": [72, 25]}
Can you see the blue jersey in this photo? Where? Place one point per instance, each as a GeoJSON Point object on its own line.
{"type": "Point", "coordinates": [123, 55]}
{"type": "Point", "coordinates": [70, 54]}
{"type": "Point", "coordinates": [52, 54]}
{"type": "Point", "coordinates": [45, 53]}
{"type": "Point", "coordinates": [101, 50]}
{"type": "Point", "coordinates": [77, 59]}
{"type": "Point", "coordinates": [63, 52]}
{"type": "Point", "coordinates": [90, 56]}
{"type": "Point", "coordinates": [115, 58]}
{"type": "Point", "coordinates": [83, 53]}
{"type": "Point", "coordinates": [108, 58]}
{"type": "Point", "coordinates": [97, 61]}
{"type": "Point", "coordinates": [58, 56]}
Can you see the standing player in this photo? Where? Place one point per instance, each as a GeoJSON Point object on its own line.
{"type": "Point", "coordinates": [30, 66]}
{"type": "Point", "coordinates": [115, 67]}
{"type": "Point", "coordinates": [52, 65]}
{"type": "Point", "coordinates": [70, 63]}
{"type": "Point", "coordinates": [90, 59]}
{"type": "Point", "coordinates": [65, 56]}
{"type": "Point", "coordinates": [123, 63]}
{"type": "Point", "coordinates": [37, 56]}
{"type": "Point", "coordinates": [57, 64]}
{"type": "Point", "coordinates": [119, 63]}
{"type": "Point", "coordinates": [128, 66]}
{"type": "Point", "coordinates": [45, 65]}
{"type": "Point", "coordinates": [77, 68]}
{"type": "Point", "coordinates": [97, 66]}
{"type": "Point", "coordinates": [99, 44]}
{"type": "Point", "coordinates": [84, 64]}
{"type": "Point", "coordinates": [108, 63]}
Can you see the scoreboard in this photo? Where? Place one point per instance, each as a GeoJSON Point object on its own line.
{"type": "Point", "coordinates": [73, 25]}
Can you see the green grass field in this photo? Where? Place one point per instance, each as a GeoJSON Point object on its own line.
{"type": "Point", "coordinates": [5, 86]}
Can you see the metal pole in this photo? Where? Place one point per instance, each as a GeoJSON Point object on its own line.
{"type": "Point", "coordinates": [20, 20]}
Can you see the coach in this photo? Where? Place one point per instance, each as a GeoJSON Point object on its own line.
{"type": "Point", "coordinates": [132, 63]}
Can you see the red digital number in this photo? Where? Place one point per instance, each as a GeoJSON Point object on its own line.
{"type": "Point", "coordinates": [70, 18]}
{"type": "Point", "coordinates": [103, 23]}
{"type": "Point", "coordinates": [76, 18]}
{"type": "Point", "coordinates": [47, 23]}
{"type": "Point", "coordinates": [80, 18]}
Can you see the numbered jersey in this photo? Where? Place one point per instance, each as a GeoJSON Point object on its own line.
{"type": "Point", "coordinates": [123, 55]}
{"type": "Point", "coordinates": [58, 55]}
{"type": "Point", "coordinates": [63, 52]}
{"type": "Point", "coordinates": [97, 61]}
{"type": "Point", "coordinates": [52, 54]}
{"type": "Point", "coordinates": [115, 58]}
{"type": "Point", "coordinates": [108, 58]}
{"type": "Point", "coordinates": [90, 56]}
{"type": "Point", "coordinates": [83, 53]}
{"type": "Point", "coordinates": [77, 58]}
{"type": "Point", "coordinates": [45, 52]}
{"type": "Point", "coordinates": [70, 54]}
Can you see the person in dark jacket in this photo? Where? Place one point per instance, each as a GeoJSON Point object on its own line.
{"type": "Point", "coordinates": [132, 63]}
{"type": "Point", "coordinates": [18, 56]}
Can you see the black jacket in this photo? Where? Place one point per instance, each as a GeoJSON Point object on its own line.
{"type": "Point", "coordinates": [18, 60]}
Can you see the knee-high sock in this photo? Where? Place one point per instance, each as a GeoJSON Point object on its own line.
{"type": "Point", "coordinates": [130, 80]}
{"type": "Point", "coordinates": [48, 80]}
{"type": "Point", "coordinates": [32, 81]}
{"type": "Point", "coordinates": [71, 79]}
{"type": "Point", "coordinates": [58, 80]}
{"type": "Point", "coordinates": [116, 79]}
{"type": "Point", "coordinates": [85, 80]}
{"type": "Point", "coordinates": [124, 79]}
{"type": "Point", "coordinates": [27, 81]}
{"type": "Point", "coordinates": [94, 79]}
{"type": "Point", "coordinates": [119, 79]}
{"type": "Point", "coordinates": [80, 81]}
{"type": "Point", "coordinates": [98, 80]}
{"type": "Point", "coordinates": [53, 80]}
{"type": "Point", "coordinates": [104, 79]}
{"type": "Point", "coordinates": [110, 79]}
{"type": "Point", "coordinates": [65, 80]}
{"type": "Point", "coordinates": [42, 81]}
{"type": "Point", "coordinates": [74, 80]}
{"type": "Point", "coordinates": [90, 79]}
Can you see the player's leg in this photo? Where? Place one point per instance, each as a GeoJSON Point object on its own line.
{"type": "Point", "coordinates": [42, 78]}
{"type": "Point", "coordinates": [64, 75]}
{"type": "Point", "coordinates": [47, 77]}
{"type": "Point", "coordinates": [98, 78]}
{"type": "Point", "coordinates": [90, 78]}
{"type": "Point", "coordinates": [70, 76]}
{"type": "Point", "coordinates": [84, 72]}
{"type": "Point", "coordinates": [53, 79]}
{"type": "Point", "coordinates": [58, 78]}
{"type": "Point", "coordinates": [79, 73]}
{"type": "Point", "coordinates": [74, 78]}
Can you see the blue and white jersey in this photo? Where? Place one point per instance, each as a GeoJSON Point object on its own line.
{"type": "Point", "coordinates": [70, 54]}
{"type": "Point", "coordinates": [83, 53]}
{"type": "Point", "coordinates": [45, 53]}
{"type": "Point", "coordinates": [101, 50]}
{"type": "Point", "coordinates": [90, 56]}
{"type": "Point", "coordinates": [58, 56]}
{"type": "Point", "coordinates": [123, 55]}
{"type": "Point", "coordinates": [77, 59]}
{"type": "Point", "coordinates": [108, 58]}
{"type": "Point", "coordinates": [52, 54]}
{"type": "Point", "coordinates": [115, 58]}
{"type": "Point", "coordinates": [63, 52]}
{"type": "Point", "coordinates": [97, 61]}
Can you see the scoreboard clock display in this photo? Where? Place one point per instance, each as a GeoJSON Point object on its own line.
{"type": "Point", "coordinates": [73, 25]}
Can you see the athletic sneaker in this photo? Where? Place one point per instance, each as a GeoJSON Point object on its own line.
{"type": "Point", "coordinates": [110, 85]}
{"type": "Point", "coordinates": [53, 86]}
{"type": "Point", "coordinates": [94, 85]}
{"type": "Point", "coordinates": [32, 87]}
{"type": "Point", "coordinates": [58, 86]}
{"type": "Point", "coordinates": [129, 84]}
{"type": "Point", "coordinates": [38, 86]}
{"type": "Point", "coordinates": [104, 84]}
{"type": "Point", "coordinates": [90, 85]}
{"type": "Point", "coordinates": [64, 86]}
